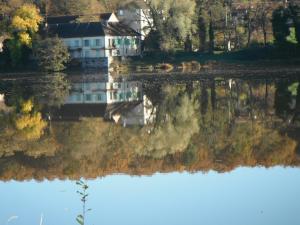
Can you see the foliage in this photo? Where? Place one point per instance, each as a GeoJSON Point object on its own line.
{"type": "Point", "coordinates": [83, 198]}
{"type": "Point", "coordinates": [176, 123]}
{"type": "Point", "coordinates": [173, 20]}
{"type": "Point", "coordinates": [295, 13]}
{"type": "Point", "coordinates": [29, 124]}
{"type": "Point", "coordinates": [52, 90]}
{"type": "Point", "coordinates": [25, 23]}
{"type": "Point", "coordinates": [51, 54]}
{"type": "Point", "coordinates": [279, 23]}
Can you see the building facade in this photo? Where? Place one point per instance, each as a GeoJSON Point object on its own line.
{"type": "Point", "coordinates": [95, 44]}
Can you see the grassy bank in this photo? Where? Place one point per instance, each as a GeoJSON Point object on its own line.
{"type": "Point", "coordinates": [256, 55]}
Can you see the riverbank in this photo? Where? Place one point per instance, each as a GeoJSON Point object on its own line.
{"type": "Point", "coordinates": [254, 58]}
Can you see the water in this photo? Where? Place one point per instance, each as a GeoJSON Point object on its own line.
{"type": "Point", "coordinates": [213, 149]}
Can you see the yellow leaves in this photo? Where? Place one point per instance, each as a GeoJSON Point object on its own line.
{"type": "Point", "coordinates": [27, 106]}
{"type": "Point", "coordinates": [30, 124]}
{"type": "Point", "coordinates": [26, 20]}
{"type": "Point", "coordinates": [25, 38]}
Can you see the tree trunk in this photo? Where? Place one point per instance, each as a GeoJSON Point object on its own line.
{"type": "Point", "coordinates": [211, 37]}
{"type": "Point", "coordinates": [202, 34]}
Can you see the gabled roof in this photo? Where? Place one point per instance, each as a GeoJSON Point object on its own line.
{"type": "Point", "coordinates": [93, 29]}
{"type": "Point", "coordinates": [105, 17]}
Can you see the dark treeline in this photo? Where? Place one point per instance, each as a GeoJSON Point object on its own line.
{"type": "Point", "coordinates": [200, 126]}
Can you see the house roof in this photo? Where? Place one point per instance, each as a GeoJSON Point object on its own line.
{"type": "Point", "coordinates": [62, 19]}
{"type": "Point", "coordinates": [92, 29]}
{"type": "Point", "coordinates": [73, 112]}
{"type": "Point", "coordinates": [74, 18]}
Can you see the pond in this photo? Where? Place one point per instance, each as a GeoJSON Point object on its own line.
{"type": "Point", "coordinates": [217, 148]}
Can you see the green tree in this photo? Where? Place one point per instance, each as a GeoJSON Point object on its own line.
{"type": "Point", "coordinates": [51, 54]}
{"type": "Point", "coordinates": [173, 20]}
{"type": "Point", "coordinates": [280, 26]}
{"type": "Point", "coordinates": [295, 12]}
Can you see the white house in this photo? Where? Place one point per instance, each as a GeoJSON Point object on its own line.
{"type": "Point", "coordinates": [96, 43]}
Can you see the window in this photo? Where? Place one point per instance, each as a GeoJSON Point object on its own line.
{"type": "Point", "coordinates": [99, 97]}
{"type": "Point", "coordinates": [86, 43]}
{"type": "Point", "coordinates": [98, 42]}
{"type": "Point", "coordinates": [110, 52]}
{"type": "Point", "coordinates": [88, 97]}
{"type": "Point", "coordinates": [109, 42]}
{"type": "Point", "coordinates": [121, 12]}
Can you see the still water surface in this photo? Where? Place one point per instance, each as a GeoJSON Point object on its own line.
{"type": "Point", "coordinates": [214, 150]}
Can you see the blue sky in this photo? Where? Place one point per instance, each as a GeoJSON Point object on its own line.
{"type": "Point", "coordinates": [245, 196]}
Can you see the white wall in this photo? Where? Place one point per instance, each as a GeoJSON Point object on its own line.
{"type": "Point", "coordinates": [93, 47]}
{"type": "Point", "coordinates": [79, 49]}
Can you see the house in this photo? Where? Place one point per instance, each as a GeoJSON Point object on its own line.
{"type": "Point", "coordinates": [95, 44]}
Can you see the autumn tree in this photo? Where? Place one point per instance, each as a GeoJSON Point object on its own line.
{"type": "Point", "coordinates": [24, 25]}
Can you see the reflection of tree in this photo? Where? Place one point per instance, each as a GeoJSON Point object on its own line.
{"type": "Point", "coordinates": [176, 123]}
{"type": "Point", "coordinates": [181, 138]}
{"type": "Point", "coordinates": [24, 130]}
{"type": "Point", "coordinates": [52, 90]}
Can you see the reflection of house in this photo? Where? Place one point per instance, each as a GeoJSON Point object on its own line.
{"type": "Point", "coordinates": [141, 113]}
{"type": "Point", "coordinates": [121, 102]}
{"type": "Point", "coordinates": [95, 43]}
{"type": "Point", "coordinates": [105, 92]}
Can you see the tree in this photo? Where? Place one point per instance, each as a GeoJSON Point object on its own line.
{"type": "Point", "coordinates": [25, 23]}
{"type": "Point", "coordinates": [279, 24]}
{"type": "Point", "coordinates": [173, 20]}
{"type": "Point", "coordinates": [295, 12]}
{"type": "Point", "coordinates": [51, 54]}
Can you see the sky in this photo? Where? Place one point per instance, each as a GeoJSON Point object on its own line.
{"type": "Point", "coordinates": [245, 196]}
